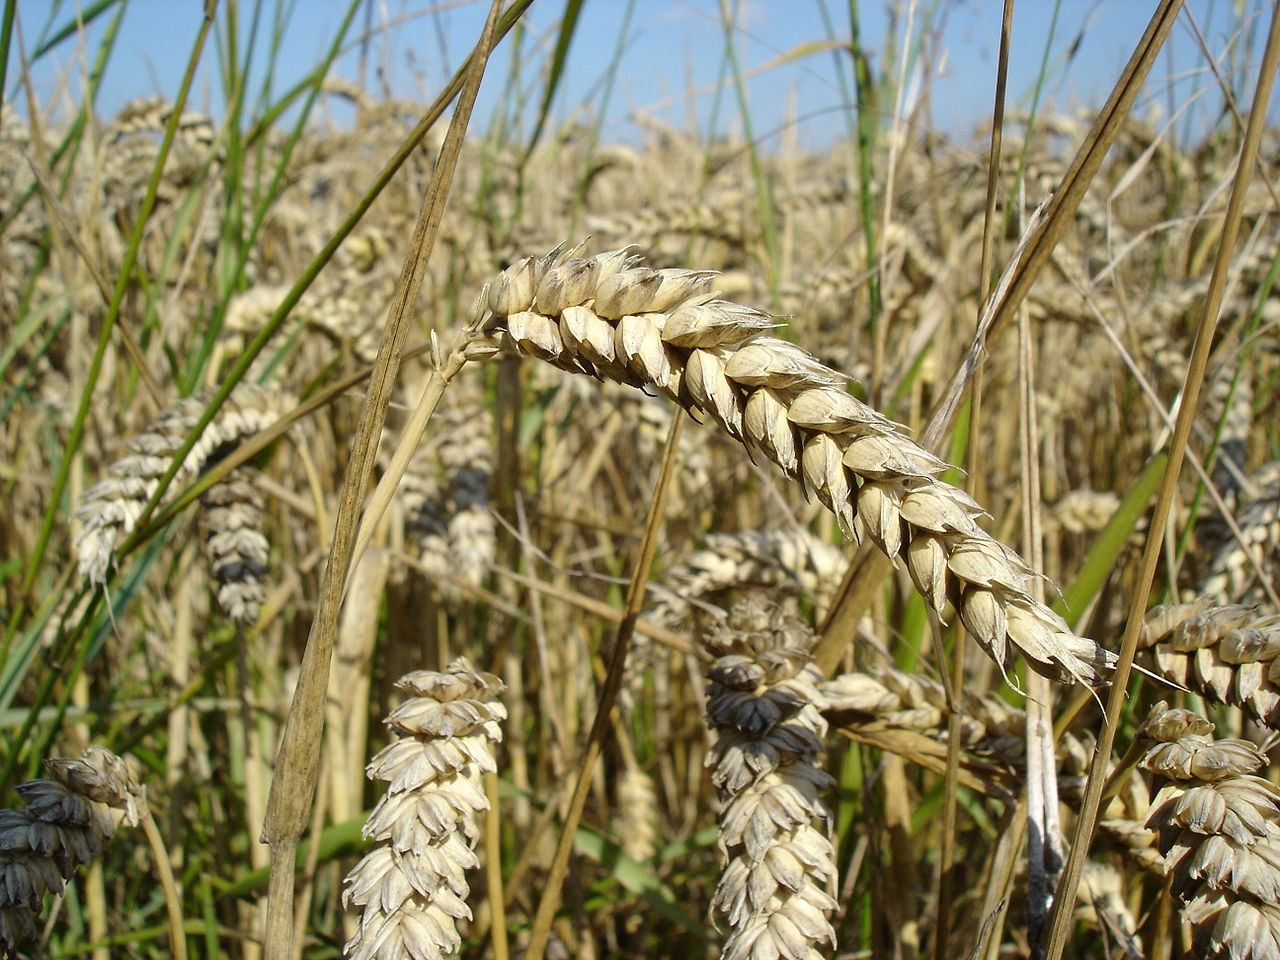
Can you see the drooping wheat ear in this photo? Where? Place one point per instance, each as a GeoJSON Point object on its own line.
{"type": "Point", "coordinates": [66, 822]}
{"type": "Point", "coordinates": [111, 508]}
{"type": "Point", "coordinates": [411, 888]}
{"type": "Point", "coordinates": [1232, 577]}
{"type": "Point", "coordinates": [763, 701]}
{"type": "Point", "coordinates": [663, 330]}
{"type": "Point", "coordinates": [236, 547]}
{"type": "Point", "coordinates": [789, 559]}
{"type": "Point", "coordinates": [1229, 654]}
{"type": "Point", "coordinates": [1219, 831]}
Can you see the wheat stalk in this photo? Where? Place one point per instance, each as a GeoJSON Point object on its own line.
{"type": "Point", "coordinates": [663, 330]}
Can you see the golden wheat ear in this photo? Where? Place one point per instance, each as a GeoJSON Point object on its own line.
{"type": "Point", "coordinates": [784, 559]}
{"type": "Point", "coordinates": [411, 889]}
{"type": "Point", "coordinates": [1229, 654]}
{"type": "Point", "coordinates": [763, 702]}
{"type": "Point", "coordinates": [1219, 830]}
{"type": "Point", "coordinates": [665, 331]}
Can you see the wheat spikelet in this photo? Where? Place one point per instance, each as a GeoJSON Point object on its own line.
{"type": "Point", "coordinates": [775, 559]}
{"type": "Point", "coordinates": [111, 508]}
{"type": "Point", "coordinates": [1219, 832]}
{"type": "Point", "coordinates": [66, 822]}
{"type": "Point", "coordinates": [662, 330]}
{"type": "Point", "coordinates": [411, 888]}
{"type": "Point", "coordinates": [763, 701]}
{"type": "Point", "coordinates": [1227, 653]}
{"type": "Point", "coordinates": [234, 544]}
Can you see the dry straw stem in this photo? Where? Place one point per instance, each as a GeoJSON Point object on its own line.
{"type": "Point", "coordinates": [66, 822]}
{"type": "Point", "coordinates": [1219, 831]}
{"type": "Point", "coordinates": [1228, 654]}
{"type": "Point", "coordinates": [664, 330]}
{"type": "Point", "coordinates": [1085, 825]}
{"type": "Point", "coordinates": [293, 786]}
{"type": "Point", "coordinates": [779, 869]}
{"type": "Point", "coordinates": [411, 888]}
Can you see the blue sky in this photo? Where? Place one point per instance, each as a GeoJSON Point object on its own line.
{"type": "Point", "coordinates": [672, 60]}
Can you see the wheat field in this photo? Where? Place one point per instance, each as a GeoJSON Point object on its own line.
{"type": "Point", "coordinates": [425, 537]}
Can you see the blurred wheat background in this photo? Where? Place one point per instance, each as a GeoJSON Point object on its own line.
{"type": "Point", "coordinates": [336, 390]}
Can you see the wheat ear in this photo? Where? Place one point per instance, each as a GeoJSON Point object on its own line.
{"type": "Point", "coordinates": [763, 702]}
{"type": "Point", "coordinates": [236, 547]}
{"type": "Point", "coordinates": [111, 507]}
{"type": "Point", "coordinates": [411, 888]}
{"type": "Point", "coordinates": [884, 700]}
{"type": "Point", "coordinates": [66, 822]}
{"type": "Point", "coordinates": [1219, 831]}
{"type": "Point", "coordinates": [1229, 654]}
{"type": "Point", "coordinates": [663, 330]}
{"type": "Point", "coordinates": [1234, 575]}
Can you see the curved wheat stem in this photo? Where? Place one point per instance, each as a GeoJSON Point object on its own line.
{"type": "Point", "coordinates": [663, 330]}
{"type": "Point", "coordinates": [411, 888]}
{"type": "Point", "coordinates": [763, 700]}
